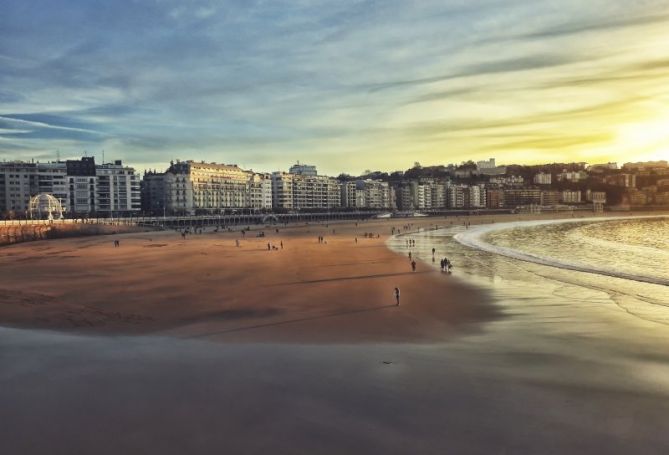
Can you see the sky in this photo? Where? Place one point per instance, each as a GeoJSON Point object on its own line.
{"type": "Point", "coordinates": [346, 85]}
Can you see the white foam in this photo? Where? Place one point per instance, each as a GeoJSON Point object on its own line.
{"type": "Point", "coordinates": [474, 238]}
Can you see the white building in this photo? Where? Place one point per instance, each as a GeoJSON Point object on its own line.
{"type": "Point", "coordinates": [570, 197]}
{"type": "Point", "coordinates": [372, 194]}
{"type": "Point", "coordinates": [542, 178]}
{"type": "Point", "coordinates": [282, 190]}
{"type": "Point", "coordinates": [117, 189]}
{"type": "Point", "coordinates": [18, 182]}
{"type": "Point", "coordinates": [456, 196]}
{"type": "Point", "coordinates": [260, 191]}
{"type": "Point", "coordinates": [475, 197]}
{"type": "Point", "coordinates": [303, 169]}
{"type": "Point", "coordinates": [486, 164]}
{"type": "Point", "coordinates": [572, 176]}
{"type": "Point", "coordinates": [507, 180]}
{"type": "Point", "coordinates": [189, 187]}
{"type": "Point", "coordinates": [305, 191]}
{"type": "Point", "coordinates": [82, 187]}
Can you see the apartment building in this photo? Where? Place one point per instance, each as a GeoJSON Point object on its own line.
{"type": "Point", "coordinates": [82, 187]}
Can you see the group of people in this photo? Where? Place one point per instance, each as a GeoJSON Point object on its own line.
{"type": "Point", "coordinates": [271, 247]}
{"type": "Point", "coordinates": [446, 265]}
{"type": "Point", "coordinates": [321, 239]}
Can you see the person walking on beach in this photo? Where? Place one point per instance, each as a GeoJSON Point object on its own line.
{"type": "Point", "coordinates": [397, 295]}
{"type": "Point", "coordinates": [409, 255]}
{"type": "Point", "coordinates": [269, 247]}
{"type": "Point", "coordinates": [282, 244]}
{"type": "Point", "coordinates": [413, 266]}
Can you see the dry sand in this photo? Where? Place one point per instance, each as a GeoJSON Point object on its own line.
{"type": "Point", "coordinates": [206, 286]}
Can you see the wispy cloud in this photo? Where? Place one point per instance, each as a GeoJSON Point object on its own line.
{"type": "Point", "coordinates": [348, 85]}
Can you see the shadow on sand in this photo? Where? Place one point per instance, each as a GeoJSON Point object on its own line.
{"type": "Point", "coordinates": [347, 278]}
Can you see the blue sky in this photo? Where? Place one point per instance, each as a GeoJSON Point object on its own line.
{"type": "Point", "coordinates": [346, 85]}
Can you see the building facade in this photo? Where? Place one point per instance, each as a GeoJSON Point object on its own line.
{"type": "Point", "coordinates": [189, 188]}
{"type": "Point", "coordinates": [82, 187]}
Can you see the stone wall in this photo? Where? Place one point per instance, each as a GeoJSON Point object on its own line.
{"type": "Point", "coordinates": [30, 232]}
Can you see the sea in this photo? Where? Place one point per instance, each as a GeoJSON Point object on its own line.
{"type": "Point", "coordinates": [625, 258]}
{"type": "Point", "coordinates": [583, 302]}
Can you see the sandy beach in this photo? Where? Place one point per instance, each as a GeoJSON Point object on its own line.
{"type": "Point", "coordinates": [171, 346]}
{"type": "Point", "coordinates": [205, 285]}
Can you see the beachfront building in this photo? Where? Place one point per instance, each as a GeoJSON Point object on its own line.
{"type": "Point", "coordinates": [152, 188]}
{"type": "Point", "coordinates": [466, 196]}
{"type": "Point", "coordinates": [475, 197]}
{"type": "Point", "coordinates": [305, 191]}
{"type": "Point", "coordinates": [189, 187]}
{"type": "Point", "coordinates": [282, 190]}
{"type": "Point", "coordinates": [494, 198]}
{"type": "Point", "coordinates": [52, 179]}
{"type": "Point", "coordinates": [260, 191]}
{"type": "Point", "coordinates": [80, 186]}
{"type": "Point", "coordinates": [370, 194]}
{"type": "Point", "coordinates": [423, 194]}
{"type": "Point", "coordinates": [313, 191]}
{"type": "Point", "coordinates": [550, 198]}
{"type": "Point", "coordinates": [404, 196]}
{"type": "Point", "coordinates": [352, 194]}
{"type": "Point", "coordinates": [456, 196]}
{"type": "Point", "coordinates": [18, 182]}
{"type": "Point", "coordinates": [316, 192]}
{"type": "Point", "coordinates": [438, 196]}
{"type": "Point", "coordinates": [522, 197]}
{"type": "Point", "coordinates": [117, 189]}
{"type": "Point", "coordinates": [570, 197]}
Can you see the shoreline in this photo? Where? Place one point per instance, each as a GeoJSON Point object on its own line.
{"type": "Point", "coordinates": [476, 239]}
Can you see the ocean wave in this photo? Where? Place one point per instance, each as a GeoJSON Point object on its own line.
{"type": "Point", "coordinates": [475, 238]}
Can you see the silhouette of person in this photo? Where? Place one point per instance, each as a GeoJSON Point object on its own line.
{"type": "Point", "coordinates": [397, 295]}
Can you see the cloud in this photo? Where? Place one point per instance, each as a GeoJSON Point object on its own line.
{"type": "Point", "coordinates": [348, 84]}
{"type": "Point", "coordinates": [37, 126]}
